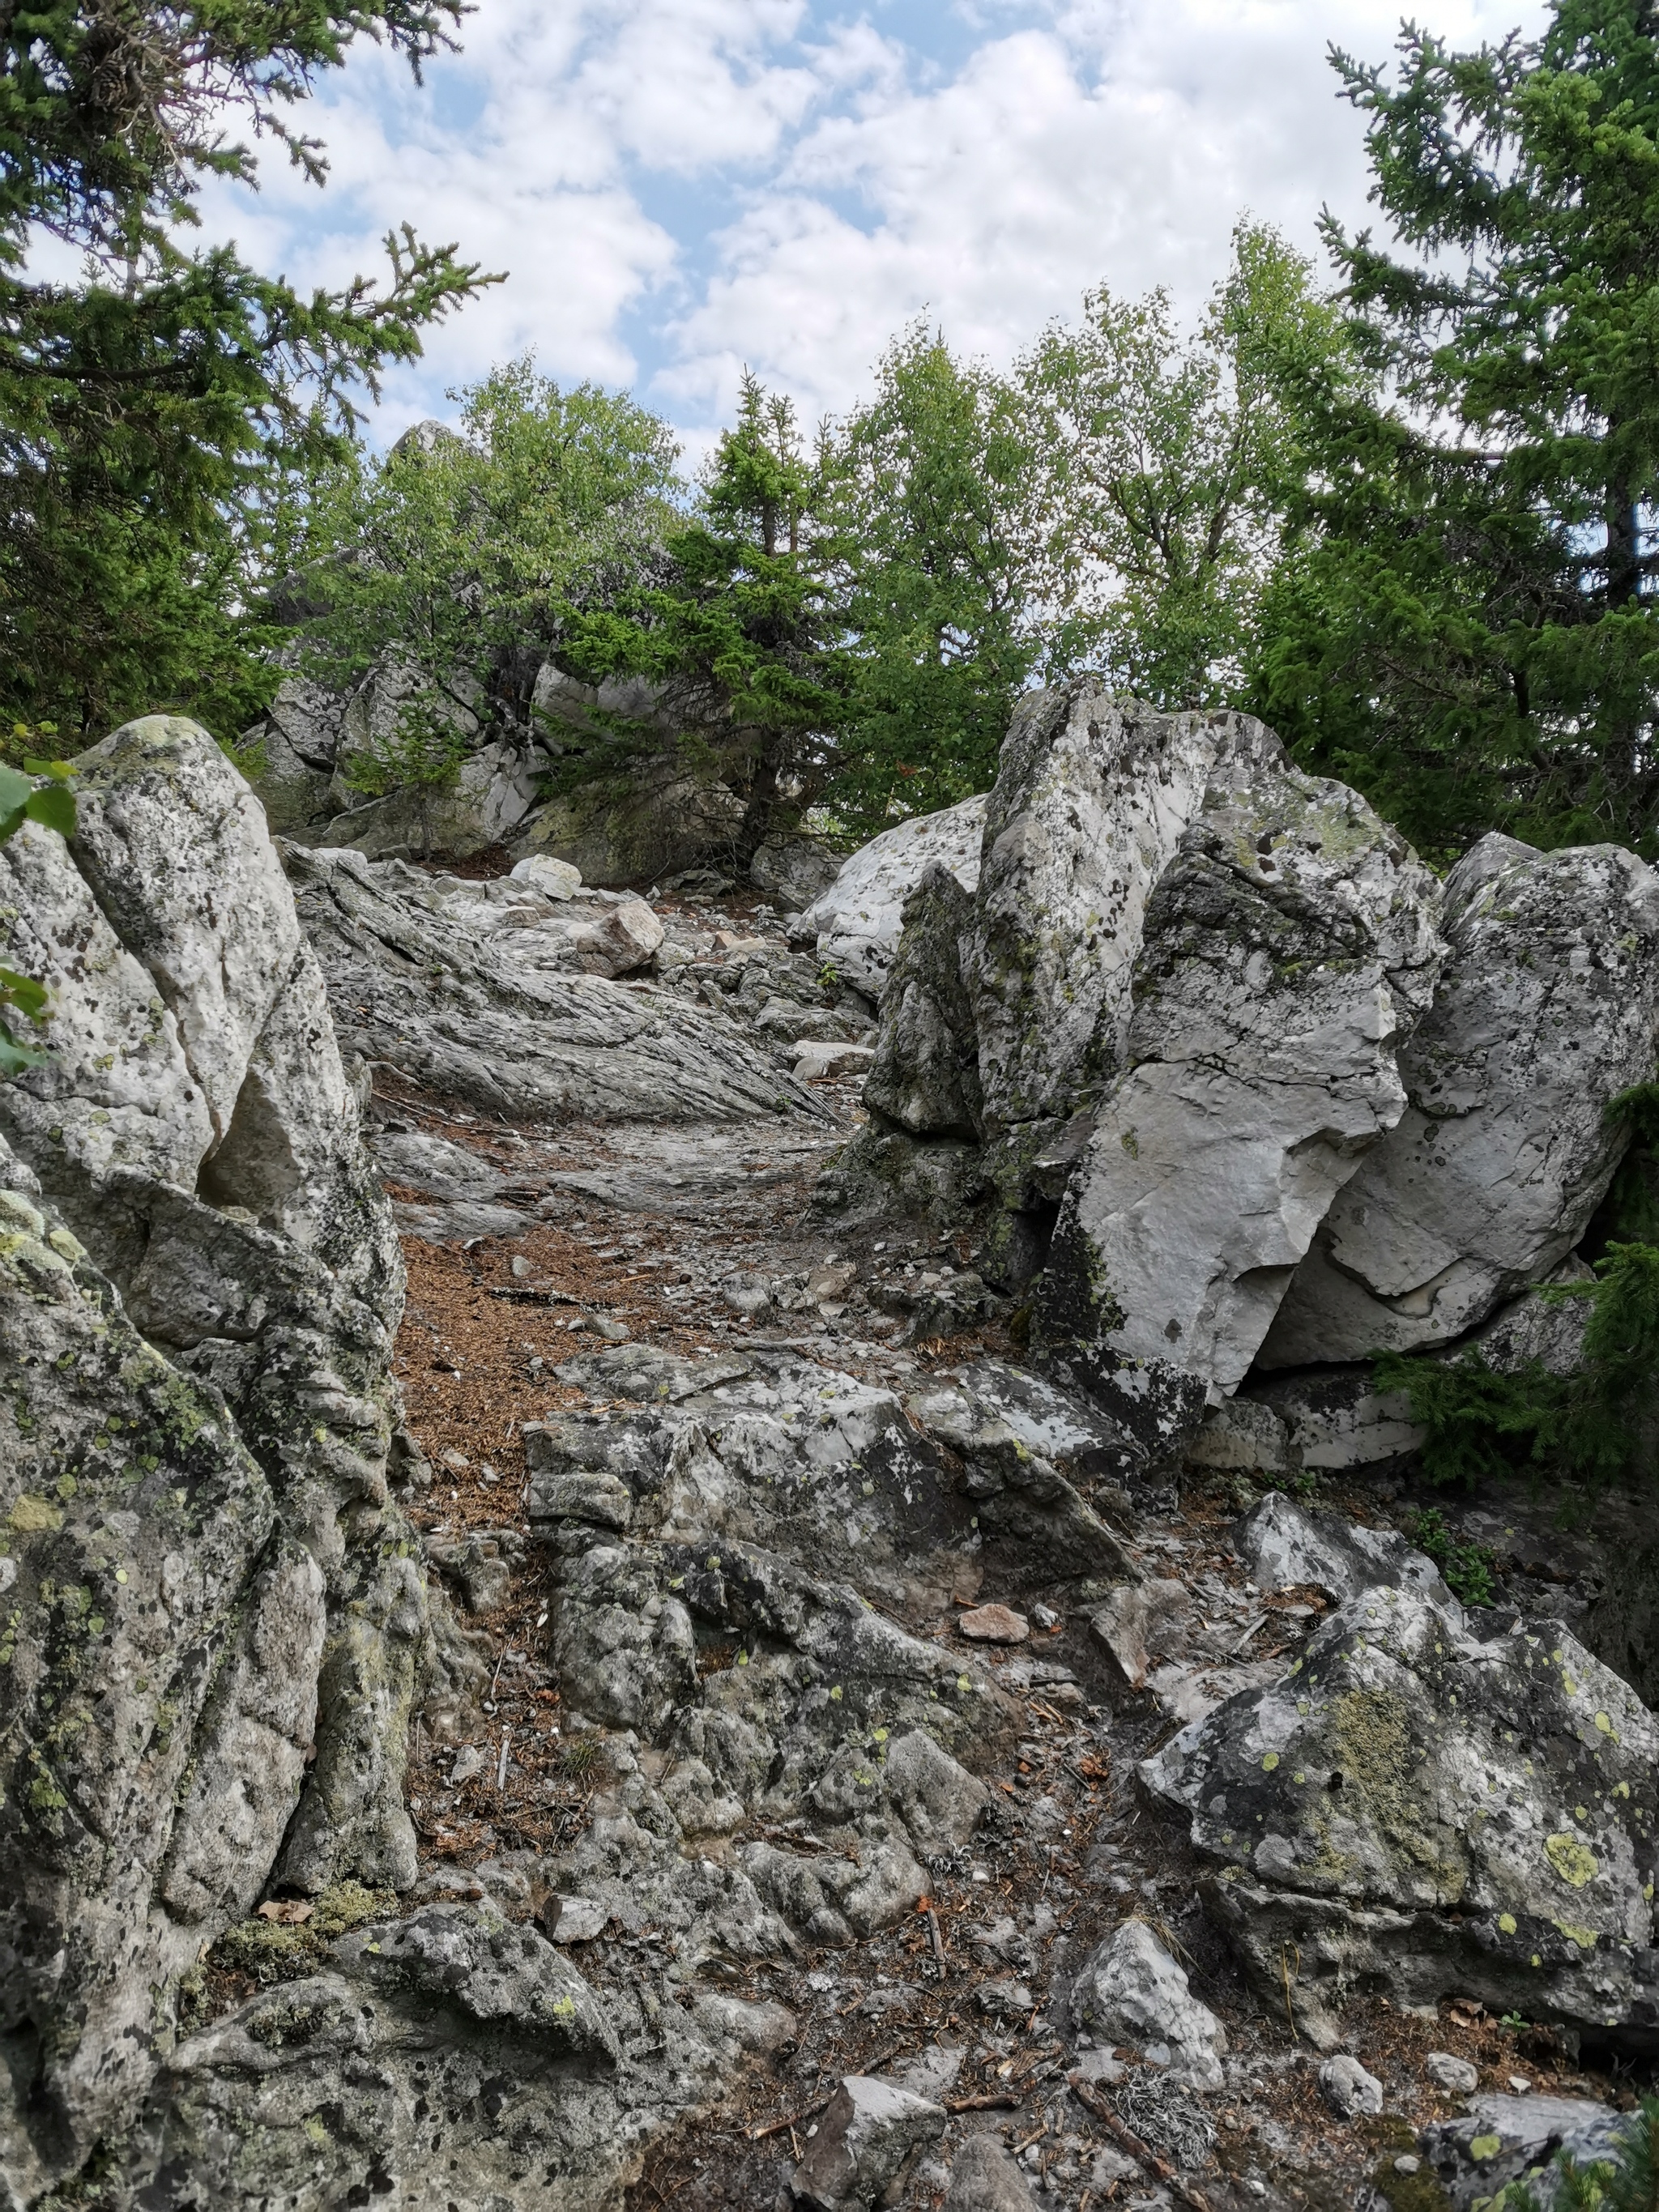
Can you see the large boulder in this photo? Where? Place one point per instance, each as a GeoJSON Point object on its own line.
{"type": "Point", "coordinates": [924, 1076]}
{"type": "Point", "coordinates": [215, 1630]}
{"type": "Point", "coordinates": [486, 999]}
{"type": "Point", "coordinates": [451, 2058]}
{"type": "Point", "coordinates": [1411, 1808]}
{"type": "Point", "coordinates": [1092, 797]}
{"type": "Point", "coordinates": [1288, 948]}
{"type": "Point", "coordinates": [1546, 1008]}
{"type": "Point", "coordinates": [855, 924]}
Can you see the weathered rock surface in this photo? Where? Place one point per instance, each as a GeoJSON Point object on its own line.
{"type": "Point", "coordinates": [1349, 2090]}
{"type": "Point", "coordinates": [1411, 1805]}
{"type": "Point", "coordinates": [795, 870]}
{"type": "Point", "coordinates": [1132, 1994]}
{"type": "Point", "coordinates": [1092, 797]}
{"type": "Point", "coordinates": [216, 1632]}
{"type": "Point", "coordinates": [924, 1076]}
{"type": "Point", "coordinates": [873, 2133]}
{"type": "Point", "coordinates": [1518, 2139]}
{"type": "Point", "coordinates": [449, 2058]}
{"type": "Point", "coordinates": [1286, 1549]}
{"type": "Point", "coordinates": [984, 2179]}
{"type": "Point", "coordinates": [788, 1455]}
{"type": "Point", "coordinates": [1546, 1008]}
{"type": "Point", "coordinates": [421, 980]}
{"type": "Point", "coordinates": [1288, 947]}
{"type": "Point", "coordinates": [855, 924]}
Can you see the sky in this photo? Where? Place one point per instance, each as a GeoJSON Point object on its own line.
{"type": "Point", "coordinates": [677, 188]}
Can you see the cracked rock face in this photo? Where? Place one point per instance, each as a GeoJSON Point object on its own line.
{"type": "Point", "coordinates": [1289, 947]}
{"type": "Point", "coordinates": [924, 1076]}
{"type": "Point", "coordinates": [446, 989]}
{"type": "Point", "coordinates": [1545, 1009]}
{"type": "Point", "coordinates": [217, 1628]}
{"type": "Point", "coordinates": [1413, 1805]}
{"type": "Point", "coordinates": [1092, 797]}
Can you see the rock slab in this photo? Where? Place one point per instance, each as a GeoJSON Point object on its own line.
{"type": "Point", "coordinates": [1547, 1009]}
{"type": "Point", "coordinates": [1289, 947]}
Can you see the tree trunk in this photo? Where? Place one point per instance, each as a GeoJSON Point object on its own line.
{"type": "Point", "coordinates": [761, 805]}
{"type": "Point", "coordinates": [1624, 546]}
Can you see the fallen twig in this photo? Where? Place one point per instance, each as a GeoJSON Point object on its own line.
{"type": "Point", "coordinates": [790, 2120]}
{"type": "Point", "coordinates": [1158, 2167]}
{"type": "Point", "coordinates": [999, 2100]}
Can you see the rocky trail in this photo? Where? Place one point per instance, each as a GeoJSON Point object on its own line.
{"type": "Point", "coordinates": [656, 1551]}
{"type": "Point", "coordinates": [970, 1999]}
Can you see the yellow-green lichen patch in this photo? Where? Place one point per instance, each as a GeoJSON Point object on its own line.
{"type": "Point", "coordinates": [1571, 1859]}
{"type": "Point", "coordinates": [34, 1516]}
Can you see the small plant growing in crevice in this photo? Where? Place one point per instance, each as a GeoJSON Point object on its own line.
{"type": "Point", "coordinates": [1468, 1567]}
{"type": "Point", "coordinates": [1628, 2181]}
{"type": "Point", "coordinates": [582, 1759]}
{"type": "Point", "coordinates": [1597, 1424]}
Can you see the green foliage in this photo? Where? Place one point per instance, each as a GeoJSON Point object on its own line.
{"type": "Point", "coordinates": [1594, 1426]}
{"type": "Point", "coordinates": [1468, 1568]}
{"type": "Point", "coordinates": [1166, 466]}
{"type": "Point", "coordinates": [1627, 2182]}
{"type": "Point", "coordinates": [421, 753]}
{"type": "Point", "coordinates": [928, 498]}
{"type": "Point", "coordinates": [745, 630]}
{"type": "Point", "coordinates": [1633, 1200]}
{"type": "Point", "coordinates": [465, 550]}
{"type": "Point", "coordinates": [1463, 623]}
{"type": "Point", "coordinates": [1480, 1423]}
{"type": "Point", "coordinates": [156, 417]}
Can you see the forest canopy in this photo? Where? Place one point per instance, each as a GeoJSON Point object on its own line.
{"type": "Point", "coordinates": [1401, 506]}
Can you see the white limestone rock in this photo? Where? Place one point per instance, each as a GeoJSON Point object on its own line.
{"type": "Point", "coordinates": [1286, 1548]}
{"type": "Point", "coordinates": [554, 879]}
{"type": "Point", "coordinates": [1288, 949]}
{"type": "Point", "coordinates": [1546, 1008]}
{"type": "Point", "coordinates": [1132, 1994]}
{"type": "Point", "coordinates": [855, 924]}
{"type": "Point", "coordinates": [1092, 797]}
{"type": "Point", "coordinates": [1349, 2089]}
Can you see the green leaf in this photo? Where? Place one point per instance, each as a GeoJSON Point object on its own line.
{"type": "Point", "coordinates": [53, 805]}
{"type": "Point", "coordinates": [23, 993]}
{"type": "Point", "coordinates": [16, 1058]}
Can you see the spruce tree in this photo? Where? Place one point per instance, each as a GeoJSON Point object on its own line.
{"type": "Point", "coordinates": [1466, 626]}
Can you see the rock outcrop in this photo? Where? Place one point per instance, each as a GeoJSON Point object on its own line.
{"type": "Point", "coordinates": [924, 1076]}
{"type": "Point", "coordinates": [1547, 1009]}
{"type": "Point", "coordinates": [1093, 795]}
{"type": "Point", "coordinates": [1287, 949]}
{"type": "Point", "coordinates": [216, 1631]}
{"type": "Point", "coordinates": [855, 924]}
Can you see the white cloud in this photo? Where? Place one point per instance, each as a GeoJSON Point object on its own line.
{"type": "Point", "coordinates": [679, 186]}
